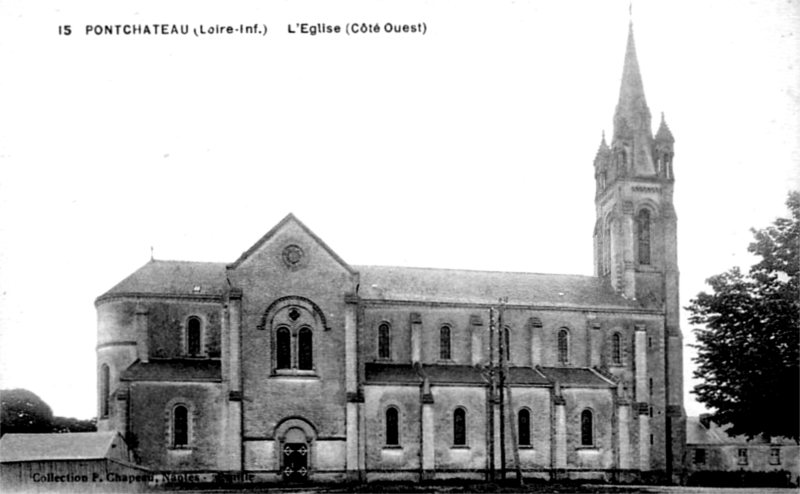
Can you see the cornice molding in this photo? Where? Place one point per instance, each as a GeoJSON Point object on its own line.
{"type": "Point", "coordinates": [468, 305]}
{"type": "Point", "coordinates": [137, 296]}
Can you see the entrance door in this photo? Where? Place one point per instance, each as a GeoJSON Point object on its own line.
{"type": "Point", "coordinates": [295, 462]}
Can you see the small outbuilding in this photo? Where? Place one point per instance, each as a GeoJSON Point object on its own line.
{"type": "Point", "coordinates": [717, 458]}
{"type": "Point", "coordinates": [73, 462]}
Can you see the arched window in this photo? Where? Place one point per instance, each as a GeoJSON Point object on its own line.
{"type": "Point", "coordinates": [563, 346]}
{"type": "Point", "coordinates": [180, 426]}
{"type": "Point", "coordinates": [587, 428]}
{"type": "Point", "coordinates": [524, 424]}
{"type": "Point", "coordinates": [392, 427]}
{"type": "Point", "coordinates": [460, 427]}
{"type": "Point", "coordinates": [193, 336]}
{"type": "Point", "coordinates": [283, 345]}
{"type": "Point", "coordinates": [643, 233]}
{"type": "Point", "coordinates": [384, 349]}
{"type": "Point", "coordinates": [444, 343]}
{"type": "Point", "coordinates": [305, 349]}
{"type": "Point", "coordinates": [294, 323]}
{"type": "Point", "coordinates": [616, 348]}
{"type": "Point", "coordinates": [607, 250]}
{"type": "Point", "coordinates": [507, 343]}
{"type": "Point", "coordinates": [105, 391]}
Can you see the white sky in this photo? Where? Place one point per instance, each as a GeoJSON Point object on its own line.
{"type": "Point", "coordinates": [468, 147]}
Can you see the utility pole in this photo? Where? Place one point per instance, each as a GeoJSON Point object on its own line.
{"type": "Point", "coordinates": [501, 346]}
{"type": "Point", "coordinates": [512, 424]}
{"type": "Point", "coordinates": [490, 412]}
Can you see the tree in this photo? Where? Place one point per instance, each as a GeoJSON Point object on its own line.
{"type": "Point", "coordinates": [749, 350]}
{"type": "Point", "coordinates": [71, 424]}
{"type": "Point", "coordinates": [23, 411]}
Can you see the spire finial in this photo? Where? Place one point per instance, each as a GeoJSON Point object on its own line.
{"type": "Point", "coordinates": [630, 11]}
{"type": "Point", "coordinates": [151, 252]}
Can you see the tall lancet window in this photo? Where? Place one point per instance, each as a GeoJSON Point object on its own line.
{"type": "Point", "coordinates": [193, 336]}
{"type": "Point", "coordinates": [606, 250]}
{"type": "Point", "coordinates": [305, 349]}
{"type": "Point", "coordinates": [524, 424]}
{"type": "Point", "coordinates": [563, 346]}
{"type": "Point", "coordinates": [507, 344]}
{"type": "Point", "coordinates": [105, 390]}
{"type": "Point", "coordinates": [643, 226]}
{"type": "Point", "coordinates": [392, 429]}
{"type": "Point", "coordinates": [616, 349]}
{"type": "Point", "coordinates": [284, 350]}
{"type": "Point", "coordinates": [459, 427]}
{"type": "Point", "coordinates": [444, 343]}
{"type": "Point", "coordinates": [587, 428]}
{"type": "Point", "coordinates": [180, 426]}
{"type": "Point", "coordinates": [384, 350]}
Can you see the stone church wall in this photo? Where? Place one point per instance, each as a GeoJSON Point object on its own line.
{"type": "Point", "coordinates": [151, 408]}
{"type": "Point", "coordinates": [167, 327]}
{"type": "Point", "coordinates": [403, 459]}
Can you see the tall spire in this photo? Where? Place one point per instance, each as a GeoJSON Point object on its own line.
{"type": "Point", "coordinates": [631, 92]}
{"type": "Point", "coordinates": [633, 136]}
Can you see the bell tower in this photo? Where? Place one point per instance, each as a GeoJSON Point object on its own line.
{"type": "Point", "coordinates": [635, 242]}
{"type": "Point", "coordinates": [635, 232]}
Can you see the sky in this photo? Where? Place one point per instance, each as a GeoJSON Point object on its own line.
{"type": "Point", "coordinates": [469, 146]}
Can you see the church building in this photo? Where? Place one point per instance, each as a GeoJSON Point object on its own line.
{"type": "Point", "coordinates": [289, 364]}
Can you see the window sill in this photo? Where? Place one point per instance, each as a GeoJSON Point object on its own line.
{"type": "Point", "coordinates": [299, 376]}
{"type": "Point", "coordinates": [588, 449]}
{"type": "Point", "coordinates": [460, 447]}
{"type": "Point", "coordinates": [393, 447]}
{"type": "Point", "coordinates": [525, 446]}
{"type": "Point", "coordinates": [179, 449]}
{"type": "Point", "coordinates": [294, 372]}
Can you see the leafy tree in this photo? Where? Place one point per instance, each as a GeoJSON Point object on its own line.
{"type": "Point", "coordinates": [70, 424]}
{"type": "Point", "coordinates": [23, 411]}
{"type": "Point", "coordinates": [749, 350]}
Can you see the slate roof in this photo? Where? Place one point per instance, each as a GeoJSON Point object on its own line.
{"type": "Point", "coordinates": [43, 447]}
{"type": "Point", "coordinates": [390, 373]}
{"type": "Point", "coordinates": [174, 278]}
{"type": "Point", "coordinates": [575, 377]}
{"type": "Point", "coordinates": [383, 373]}
{"type": "Point", "coordinates": [174, 370]}
{"type": "Point", "coordinates": [526, 375]}
{"type": "Point", "coordinates": [484, 287]}
{"type": "Point", "coordinates": [453, 374]}
{"type": "Point", "coordinates": [714, 434]}
{"type": "Point", "coordinates": [388, 283]}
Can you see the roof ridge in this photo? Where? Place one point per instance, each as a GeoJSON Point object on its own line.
{"type": "Point", "coordinates": [356, 266]}
{"type": "Point", "coordinates": [223, 263]}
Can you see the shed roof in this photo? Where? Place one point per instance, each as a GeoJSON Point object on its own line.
{"type": "Point", "coordinates": [177, 370]}
{"type": "Point", "coordinates": [576, 377]}
{"type": "Point", "coordinates": [44, 447]}
{"type": "Point", "coordinates": [484, 287]}
{"type": "Point", "coordinates": [386, 373]}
